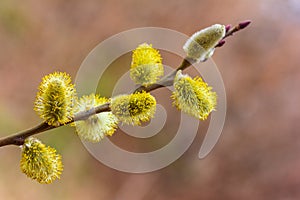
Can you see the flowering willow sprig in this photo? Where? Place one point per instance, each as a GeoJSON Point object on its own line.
{"type": "Point", "coordinates": [193, 96]}
{"type": "Point", "coordinates": [97, 126]}
{"type": "Point", "coordinates": [134, 108]}
{"type": "Point", "coordinates": [40, 162]}
{"type": "Point", "coordinates": [201, 45]}
{"type": "Point", "coordinates": [19, 138]}
{"type": "Point", "coordinates": [55, 99]}
{"type": "Point", "coordinates": [146, 65]}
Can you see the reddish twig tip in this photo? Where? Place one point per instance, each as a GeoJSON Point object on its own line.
{"type": "Point", "coordinates": [244, 24]}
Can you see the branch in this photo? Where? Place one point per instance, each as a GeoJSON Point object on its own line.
{"type": "Point", "coordinates": [237, 28]}
{"type": "Point", "coordinates": [19, 138]}
{"type": "Point", "coordinates": [230, 31]}
{"type": "Point", "coordinates": [168, 79]}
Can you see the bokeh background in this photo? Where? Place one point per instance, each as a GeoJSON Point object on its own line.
{"type": "Point", "coordinates": [257, 156]}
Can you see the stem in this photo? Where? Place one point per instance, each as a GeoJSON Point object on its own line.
{"type": "Point", "coordinates": [168, 79]}
{"type": "Point", "coordinates": [237, 28]}
{"type": "Point", "coordinates": [19, 138]}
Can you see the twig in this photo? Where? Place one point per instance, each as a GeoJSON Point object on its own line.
{"type": "Point", "coordinates": [18, 138]}
{"type": "Point", "coordinates": [230, 31]}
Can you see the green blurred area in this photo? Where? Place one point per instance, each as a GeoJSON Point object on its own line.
{"type": "Point", "coordinates": [12, 18]}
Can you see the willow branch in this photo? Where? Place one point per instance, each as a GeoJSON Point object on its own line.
{"type": "Point", "coordinates": [18, 138]}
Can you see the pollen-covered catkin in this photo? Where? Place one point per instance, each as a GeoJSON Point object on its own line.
{"type": "Point", "coordinates": [97, 126]}
{"type": "Point", "coordinates": [40, 162]}
{"type": "Point", "coordinates": [146, 65]}
{"type": "Point", "coordinates": [134, 108]}
{"type": "Point", "coordinates": [193, 96]}
{"type": "Point", "coordinates": [55, 99]}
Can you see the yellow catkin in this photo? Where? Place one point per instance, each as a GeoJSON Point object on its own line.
{"type": "Point", "coordinates": [193, 96]}
{"type": "Point", "coordinates": [55, 99]}
{"type": "Point", "coordinates": [40, 162]}
{"type": "Point", "coordinates": [134, 108]}
{"type": "Point", "coordinates": [146, 65]}
{"type": "Point", "coordinates": [97, 126]}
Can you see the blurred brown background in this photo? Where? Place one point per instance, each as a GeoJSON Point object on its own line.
{"type": "Point", "coordinates": [257, 156]}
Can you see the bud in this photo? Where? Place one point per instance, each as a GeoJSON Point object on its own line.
{"type": "Point", "coordinates": [97, 126]}
{"type": "Point", "coordinates": [244, 24]}
{"type": "Point", "coordinates": [40, 162]}
{"type": "Point", "coordinates": [134, 108]}
{"type": "Point", "coordinates": [193, 96]}
{"type": "Point", "coordinates": [221, 43]}
{"type": "Point", "coordinates": [55, 99]}
{"type": "Point", "coordinates": [201, 45]}
{"type": "Point", "coordinates": [146, 65]}
{"type": "Point", "coordinates": [228, 27]}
